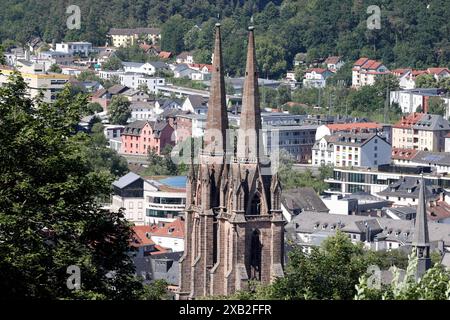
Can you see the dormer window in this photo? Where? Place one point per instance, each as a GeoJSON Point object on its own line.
{"type": "Point", "coordinates": [316, 225]}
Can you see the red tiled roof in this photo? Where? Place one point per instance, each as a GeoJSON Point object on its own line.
{"type": "Point", "coordinates": [332, 60]}
{"type": "Point", "coordinates": [437, 70]}
{"type": "Point", "coordinates": [400, 71]}
{"type": "Point", "coordinates": [440, 211]}
{"type": "Point", "coordinates": [140, 235]}
{"type": "Point", "coordinates": [408, 121]}
{"type": "Point", "coordinates": [165, 54]}
{"type": "Point", "coordinates": [360, 61]}
{"type": "Point", "coordinates": [403, 154]}
{"type": "Point", "coordinates": [173, 229]}
{"type": "Point", "coordinates": [353, 126]}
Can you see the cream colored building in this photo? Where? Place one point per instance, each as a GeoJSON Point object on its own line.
{"type": "Point", "coordinates": [37, 80]}
{"type": "Point", "coordinates": [365, 72]}
{"type": "Point", "coordinates": [129, 37]}
{"type": "Point", "coordinates": [420, 131]}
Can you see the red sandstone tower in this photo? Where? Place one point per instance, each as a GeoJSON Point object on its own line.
{"type": "Point", "coordinates": [234, 226]}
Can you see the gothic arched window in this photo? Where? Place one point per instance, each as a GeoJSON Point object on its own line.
{"type": "Point", "coordinates": [255, 208]}
{"type": "Point", "coordinates": [255, 255]}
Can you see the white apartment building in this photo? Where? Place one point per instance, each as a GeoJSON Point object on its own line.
{"type": "Point", "coordinates": [74, 48]}
{"type": "Point", "coordinates": [148, 68]}
{"type": "Point", "coordinates": [351, 150]}
{"type": "Point", "coordinates": [365, 72]}
{"type": "Point", "coordinates": [136, 80]}
{"type": "Point", "coordinates": [410, 100]}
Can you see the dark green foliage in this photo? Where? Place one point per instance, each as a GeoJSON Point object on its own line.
{"type": "Point", "coordinates": [113, 64]}
{"type": "Point", "coordinates": [49, 214]}
{"type": "Point", "coordinates": [411, 34]}
{"type": "Point", "coordinates": [55, 68]}
{"type": "Point", "coordinates": [119, 110]}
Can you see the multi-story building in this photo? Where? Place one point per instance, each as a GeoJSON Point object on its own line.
{"type": "Point", "coordinates": [334, 63]}
{"type": "Point", "coordinates": [383, 130]}
{"type": "Point", "coordinates": [169, 235]}
{"type": "Point", "coordinates": [365, 72]}
{"type": "Point", "coordinates": [420, 131]}
{"type": "Point", "coordinates": [128, 194]}
{"type": "Point", "coordinates": [414, 100]}
{"type": "Point", "coordinates": [295, 140]}
{"type": "Point", "coordinates": [56, 57]}
{"type": "Point", "coordinates": [50, 84]}
{"type": "Point", "coordinates": [141, 136]}
{"type": "Point", "coordinates": [149, 68]}
{"type": "Point", "coordinates": [375, 180]}
{"type": "Point", "coordinates": [75, 48]}
{"type": "Point", "coordinates": [138, 80]}
{"type": "Point", "coordinates": [129, 37]}
{"type": "Point", "coordinates": [352, 150]}
{"type": "Point", "coordinates": [165, 198]}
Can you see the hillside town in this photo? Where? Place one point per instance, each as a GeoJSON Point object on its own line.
{"type": "Point", "coordinates": [209, 223]}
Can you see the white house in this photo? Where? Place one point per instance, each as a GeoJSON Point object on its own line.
{"type": "Point", "coordinates": [136, 80]}
{"type": "Point", "coordinates": [412, 99]}
{"type": "Point", "coordinates": [334, 63]}
{"type": "Point", "coordinates": [75, 48]}
{"type": "Point", "coordinates": [195, 104]}
{"type": "Point", "coordinates": [170, 235]}
{"type": "Point", "coordinates": [142, 110]}
{"type": "Point", "coordinates": [316, 77]}
{"type": "Point", "coordinates": [148, 68]}
{"type": "Point", "coordinates": [185, 57]}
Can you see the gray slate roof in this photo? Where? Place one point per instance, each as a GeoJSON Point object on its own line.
{"type": "Point", "coordinates": [432, 122]}
{"type": "Point", "coordinates": [127, 179]}
{"type": "Point", "coordinates": [302, 199]}
{"type": "Point", "coordinates": [408, 187]}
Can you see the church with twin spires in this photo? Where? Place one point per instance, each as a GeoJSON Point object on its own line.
{"type": "Point", "coordinates": [234, 228]}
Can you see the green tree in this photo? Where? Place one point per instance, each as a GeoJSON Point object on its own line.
{"type": "Point", "coordinates": [270, 57]}
{"type": "Point", "coordinates": [436, 105]}
{"type": "Point", "coordinates": [49, 216]}
{"type": "Point", "coordinates": [426, 81]}
{"type": "Point", "coordinates": [119, 110]}
{"type": "Point", "coordinates": [155, 291]}
{"type": "Point", "coordinates": [112, 64]}
{"type": "Point", "coordinates": [94, 107]}
{"type": "Point", "coordinates": [172, 33]}
{"type": "Point", "coordinates": [55, 68]}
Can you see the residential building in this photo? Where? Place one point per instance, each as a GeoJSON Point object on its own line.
{"type": "Point", "coordinates": [149, 68]}
{"type": "Point", "coordinates": [360, 203]}
{"type": "Point", "coordinates": [316, 78]}
{"type": "Point", "coordinates": [299, 200]}
{"type": "Point", "coordinates": [195, 104]}
{"type": "Point", "coordinates": [414, 100]}
{"type": "Point", "coordinates": [139, 80]}
{"type": "Point", "coordinates": [365, 71]}
{"type": "Point", "coordinates": [169, 235]}
{"type": "Point", "coordinates": [311, 228]}
{"type": "Point", "coordinates": [104, 96]}
{"type": "Point", "coordinates": [351, 149]}
{"type": "Point", "coordinates": [75, 48]}
{"type": "Point", "coordinates": [185, 57]}
{"type": "Point", "coordinates": [141, 136]}
{"type": "Point", "coordinates": [129, 37]}
{"type": "Point", "coordinates": [334, 63]}
{"type": "Point", "coordinates": [50, 84]}
{"type": "Point", "coordinates": [296, 140]}
{"type": "Point", "coordinates": [56, 57]}
{"type": "Point", "coordinates": [383, 130]}
{"type": "Point", "coordinates": [405, 191]}
{"type": "Point", "coordinates": [142, 110]}
{"type": "Point", "coordinates": [128, 193]}
{"type": "Point", "coordinates": [420, 131]}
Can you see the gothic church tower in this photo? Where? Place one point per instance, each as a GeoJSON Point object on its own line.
{"type": "Point", "coordinates": [234, 226]}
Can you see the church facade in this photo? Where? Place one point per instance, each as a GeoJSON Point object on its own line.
{"type": "Point", "coordinates": [234, 228]}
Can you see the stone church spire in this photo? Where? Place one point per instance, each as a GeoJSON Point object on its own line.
{"type": "Point", "coordinates": [217, 119]}
{"type": "Point", "coordinates": [421, 241]}
{"type": "Point", "coordinates": [250, 122]}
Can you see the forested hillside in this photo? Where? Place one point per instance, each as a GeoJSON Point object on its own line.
{"type": "Point", "coordinates": [413, 33]}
